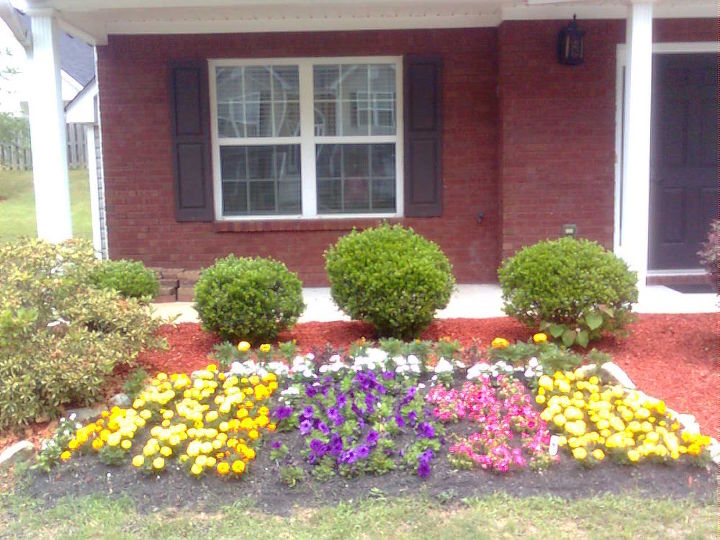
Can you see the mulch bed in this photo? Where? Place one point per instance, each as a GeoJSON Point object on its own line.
{"type": "Point", "coordinates": [84, 475]}
{"type": "Point", "coordinates": [671, 357]}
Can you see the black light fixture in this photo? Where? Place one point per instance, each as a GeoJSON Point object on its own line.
{"type": "Point", "coordinates": [570, 44]}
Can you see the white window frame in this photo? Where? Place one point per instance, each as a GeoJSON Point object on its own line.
{"type": "Point", "coordinates": [307, 139]}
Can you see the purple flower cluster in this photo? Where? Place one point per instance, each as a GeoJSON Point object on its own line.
{"type": "Point", "coordinates": [345, 420]}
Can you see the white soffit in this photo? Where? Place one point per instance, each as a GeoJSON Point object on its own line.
{"type": "Point", "coordinates": [94, 20]}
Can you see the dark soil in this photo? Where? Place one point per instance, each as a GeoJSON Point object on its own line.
{"type": "Point", "coordinates": [263, 488]}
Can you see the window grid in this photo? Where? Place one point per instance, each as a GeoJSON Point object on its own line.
{"type": "Point", "coordinates": [305, 139]}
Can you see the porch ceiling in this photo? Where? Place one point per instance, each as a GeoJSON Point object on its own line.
{"type": "Point", "coordinates": [94, 20]}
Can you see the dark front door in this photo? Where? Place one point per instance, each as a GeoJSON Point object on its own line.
{"type": "Point", "coordinates": [684, 158]}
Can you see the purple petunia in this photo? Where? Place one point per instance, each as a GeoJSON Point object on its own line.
{"type": "Point", "coordinates": [424, 459]}
{"type": "Point", "coordinates": [276, 444]}
{"type": "Point", "coordinates": [349, 457]}
{"type": "Point", "coordinates": [372, 437]}
{"type": "Point", "coordinates": [341, 400]}
{"type": "Point", "coordinates": [322, 426]}
{"type": "Point", "coordinates": [305, 427]}
{"type": "Point", "coordinates": [425, 429]}
{"type": "Point", "coordinates": [363, 451]}
{"type": "Point", "coordinates": [308, 412]}
{"type": "Point", "coordinates": [399, 420]}
{"type": "Point", "coordinates": [412, 417]}
{"type": "Point", "coordinates": [318, 447]}
{"type": "Point", "coordinates": [281, 413]}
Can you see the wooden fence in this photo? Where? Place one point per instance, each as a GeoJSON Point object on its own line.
{"type": "Point", "coordinates": [18, 156]}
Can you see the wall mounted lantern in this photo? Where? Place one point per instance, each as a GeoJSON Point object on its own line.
{"type": "Point", "coordinates": [570, 44]}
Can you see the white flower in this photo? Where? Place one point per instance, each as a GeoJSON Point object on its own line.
{"type": "Point", "coordinates": [413, 360]}
{"type": "Point", "coordinates": [377, 356]}
{"type": "Point", "coordinates": [292, 391]}
{"type": "Point", "coordinates": [421, 386]}
{"type": "Point", "coordinates": [324, 368]}
{"type": "Point", "coordinates": [443, 366]}
{"type": "Point", "coordinates": [310, 356]}
{"type": "Point", "coordinates": [400, 361]}
{"type": "Point", "coordinates": [308, 374]}
{"type": "Point", "coordinates": [529, 373]}
{"type": "Point", "coordinates": [553, 447]}
{"type": "Point", "coordinates": [335, 358]}
{"type": "Point", "coordinates": [73, 416]}
{"type": "Point", "coordinates": [402, 369]}
{"type": "Point", "coordinates": [460, 365]}
{"type": "Point", "coordinates": [533, 362]}
{"type": "Point", "coordinates": [477, 370]}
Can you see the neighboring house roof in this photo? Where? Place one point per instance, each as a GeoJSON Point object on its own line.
{"type": "Point", "coordinates": [77, 59]}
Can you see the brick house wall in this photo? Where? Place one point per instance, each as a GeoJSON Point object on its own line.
{"type": "Point", "coordinates": [526, 141]}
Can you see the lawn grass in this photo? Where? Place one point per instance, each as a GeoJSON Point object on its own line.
{"type": "Point", "coordinates": [17, 204]}
{"type": "Point", "coordinates": [498, 516]}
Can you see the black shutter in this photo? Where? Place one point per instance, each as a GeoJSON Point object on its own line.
{"type": "Point", "coordinates": [423, 136]}
{"type": "Point", "coordinates": [190, 124]}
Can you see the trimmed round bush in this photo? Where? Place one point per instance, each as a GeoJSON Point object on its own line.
{"type": "Point", "coordinates": [390, 277]}
{"type": "Point", "coordinates": [129, 278]}
{"type": "Point", "coordinates": [248, 298]}
{"type": "Point", "coordinates": [568, 285]}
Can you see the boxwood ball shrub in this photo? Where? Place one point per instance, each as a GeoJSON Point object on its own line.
{"type": "Point", "coordinates": [710, 252]}
{"type": "Point", "coordinates": [390, 277]}
{"type": "Point", "coordinates": [248, 299]}
{"type": "Point", "coordinates": [574, 289]}
{"type": "Point", "coordinates": [129, 278]}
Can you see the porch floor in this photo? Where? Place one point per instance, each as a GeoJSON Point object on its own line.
{"type": "Point", "coordinates": [471, 301]}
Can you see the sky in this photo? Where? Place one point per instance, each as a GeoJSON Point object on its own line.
{"type": "Point", "coordinates": [11, 90]}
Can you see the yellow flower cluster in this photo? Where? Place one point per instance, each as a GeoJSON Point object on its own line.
{"type": "Point", "coordinates": [596, 419]}
{"type": "Point", "coordinates": [209, 422]}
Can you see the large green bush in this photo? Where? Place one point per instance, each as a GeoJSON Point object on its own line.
{"type": "Point", "coordinates": [248, 298]}
{"type": "Point", "coordinates": [60, 337]}
{"type": "Point", "coordinates": [574, 289]}
{"type": "Point", "coordinates": [390, 277]}
{"type": "Point", "coordinates": [130, 278]}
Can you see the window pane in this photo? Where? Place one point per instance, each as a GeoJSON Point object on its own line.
{"type": "Point", "coordinates": [355, 178]}
{"type": "Point", "coordinates": [260, 180]}
{"type": "Point", "coordinates": [258, 101]}
{"type": "Point", "coordinates": [354, 99]}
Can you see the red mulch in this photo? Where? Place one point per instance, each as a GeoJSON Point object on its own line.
{"type": "Point", "coordinates": [672, 357]}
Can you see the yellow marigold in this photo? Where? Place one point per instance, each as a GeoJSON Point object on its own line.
{"type": "Point", "coordinates": [65, 455]}
{"type": "Point", "coordinates": [232, 443]}
{"type": "Point", "coordinates": [97, 444]}
{"type": "Point", "coordinates": [212, 368]}
{"type": "Point", "coordinates": [262, 421]}
{"type": "Point", "coordinates": [196, 469]}
{"type": "Point", "coordinates": [126, 444]}
{"type": "Point", "coordinates": [499, 343]}
{"type": "Point", "coordinates": [265, 348]}
{"type": "Point", "coordinates": [211, 416]}
{"type": "Point", "coordinates": [579, 453]}
{"type": "Point", "coordinates": [105, 414]}
{"type": "Point", "coordinates": [73, 444]}
{"type": "Point", "coordinates": [238, 466]}
{"type": "Point", "coordinates": [158, 463]}
{"type": "Point", "coordinates": [254, 379]}
{"type": "Point", "coordinates": [223, 468]}
{"type": "Point", "coordinates": [633, 455]}
{"type": "Point", "coordinates": [253, 434]}
{"type": "Point", "coordinates": [113, 439]}
{"type": "Point", "coordinates": [243, 346]}
{"type": "Point", "coordinates": [271, 427]}
{"type": "Point", "coordinates": [540, 337]}
{"type": "Point", "coordinates": [598, 454]}
{"type": "Point", "coordinates": [166, 451]}
{"type": "Point", "coordinates": [269, 377]}
{"type": "Point", "coordinates": [138, 461]}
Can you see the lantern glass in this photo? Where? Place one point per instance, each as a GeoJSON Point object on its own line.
{"type": "Point", "coordinates": [570, 44]}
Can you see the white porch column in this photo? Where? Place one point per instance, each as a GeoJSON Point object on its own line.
{"type": "Point", "coordinates": [47, 130]}
{"type": "Point", "coordinates": [636, 167]}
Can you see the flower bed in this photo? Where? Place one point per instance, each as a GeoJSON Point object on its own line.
{"type": "Point", "coordinates": [395, 406]}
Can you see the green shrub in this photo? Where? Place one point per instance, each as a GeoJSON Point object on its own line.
{"type": "Point", "coordinates": [390, 277]}
{"type": "Point", "coordinates": [60, 336]}
{"type": "Point", "coordinates": [573, 289]}
{"type": "Point", "coordinates": [248, 298]}
{"type": "Point", "coordinates": [710, 252]}
{"type": "Point", "coordinates": [130, 278]}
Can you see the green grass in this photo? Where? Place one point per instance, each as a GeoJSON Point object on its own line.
{"type": "Point", "coordinates": [17, 204]}
{"type": "Point", "coordinates": [499, 516]}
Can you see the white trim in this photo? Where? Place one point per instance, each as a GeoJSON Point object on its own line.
{"type": "Point", "coordinates": [677, 272]}
{"type": "Point", "coordinates": [692, 47]}
{"type": "Point", "coordinates": [307, 139]}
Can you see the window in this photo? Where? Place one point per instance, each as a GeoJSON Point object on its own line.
{"type": "Point", "coordinates": [306, 138]}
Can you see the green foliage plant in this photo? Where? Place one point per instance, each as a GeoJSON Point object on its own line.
{"type": "Point", "coordinates": [135, 382]}
{"type": "Point", "coordinates": [60, 336]}
{"type": "Point", "coordinates": [710, 252]}
{"type": "Point", "coordinates": [572, 289]}
{"type": "Point", "coordinates": [129, 278]}
{"type": "Point", "coordinates": [248, 298]}
{"type": "Point", "coordinates": [390, 277]}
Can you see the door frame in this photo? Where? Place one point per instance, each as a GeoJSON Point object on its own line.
{"type": "Point", "coordinates": [621, 62]}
